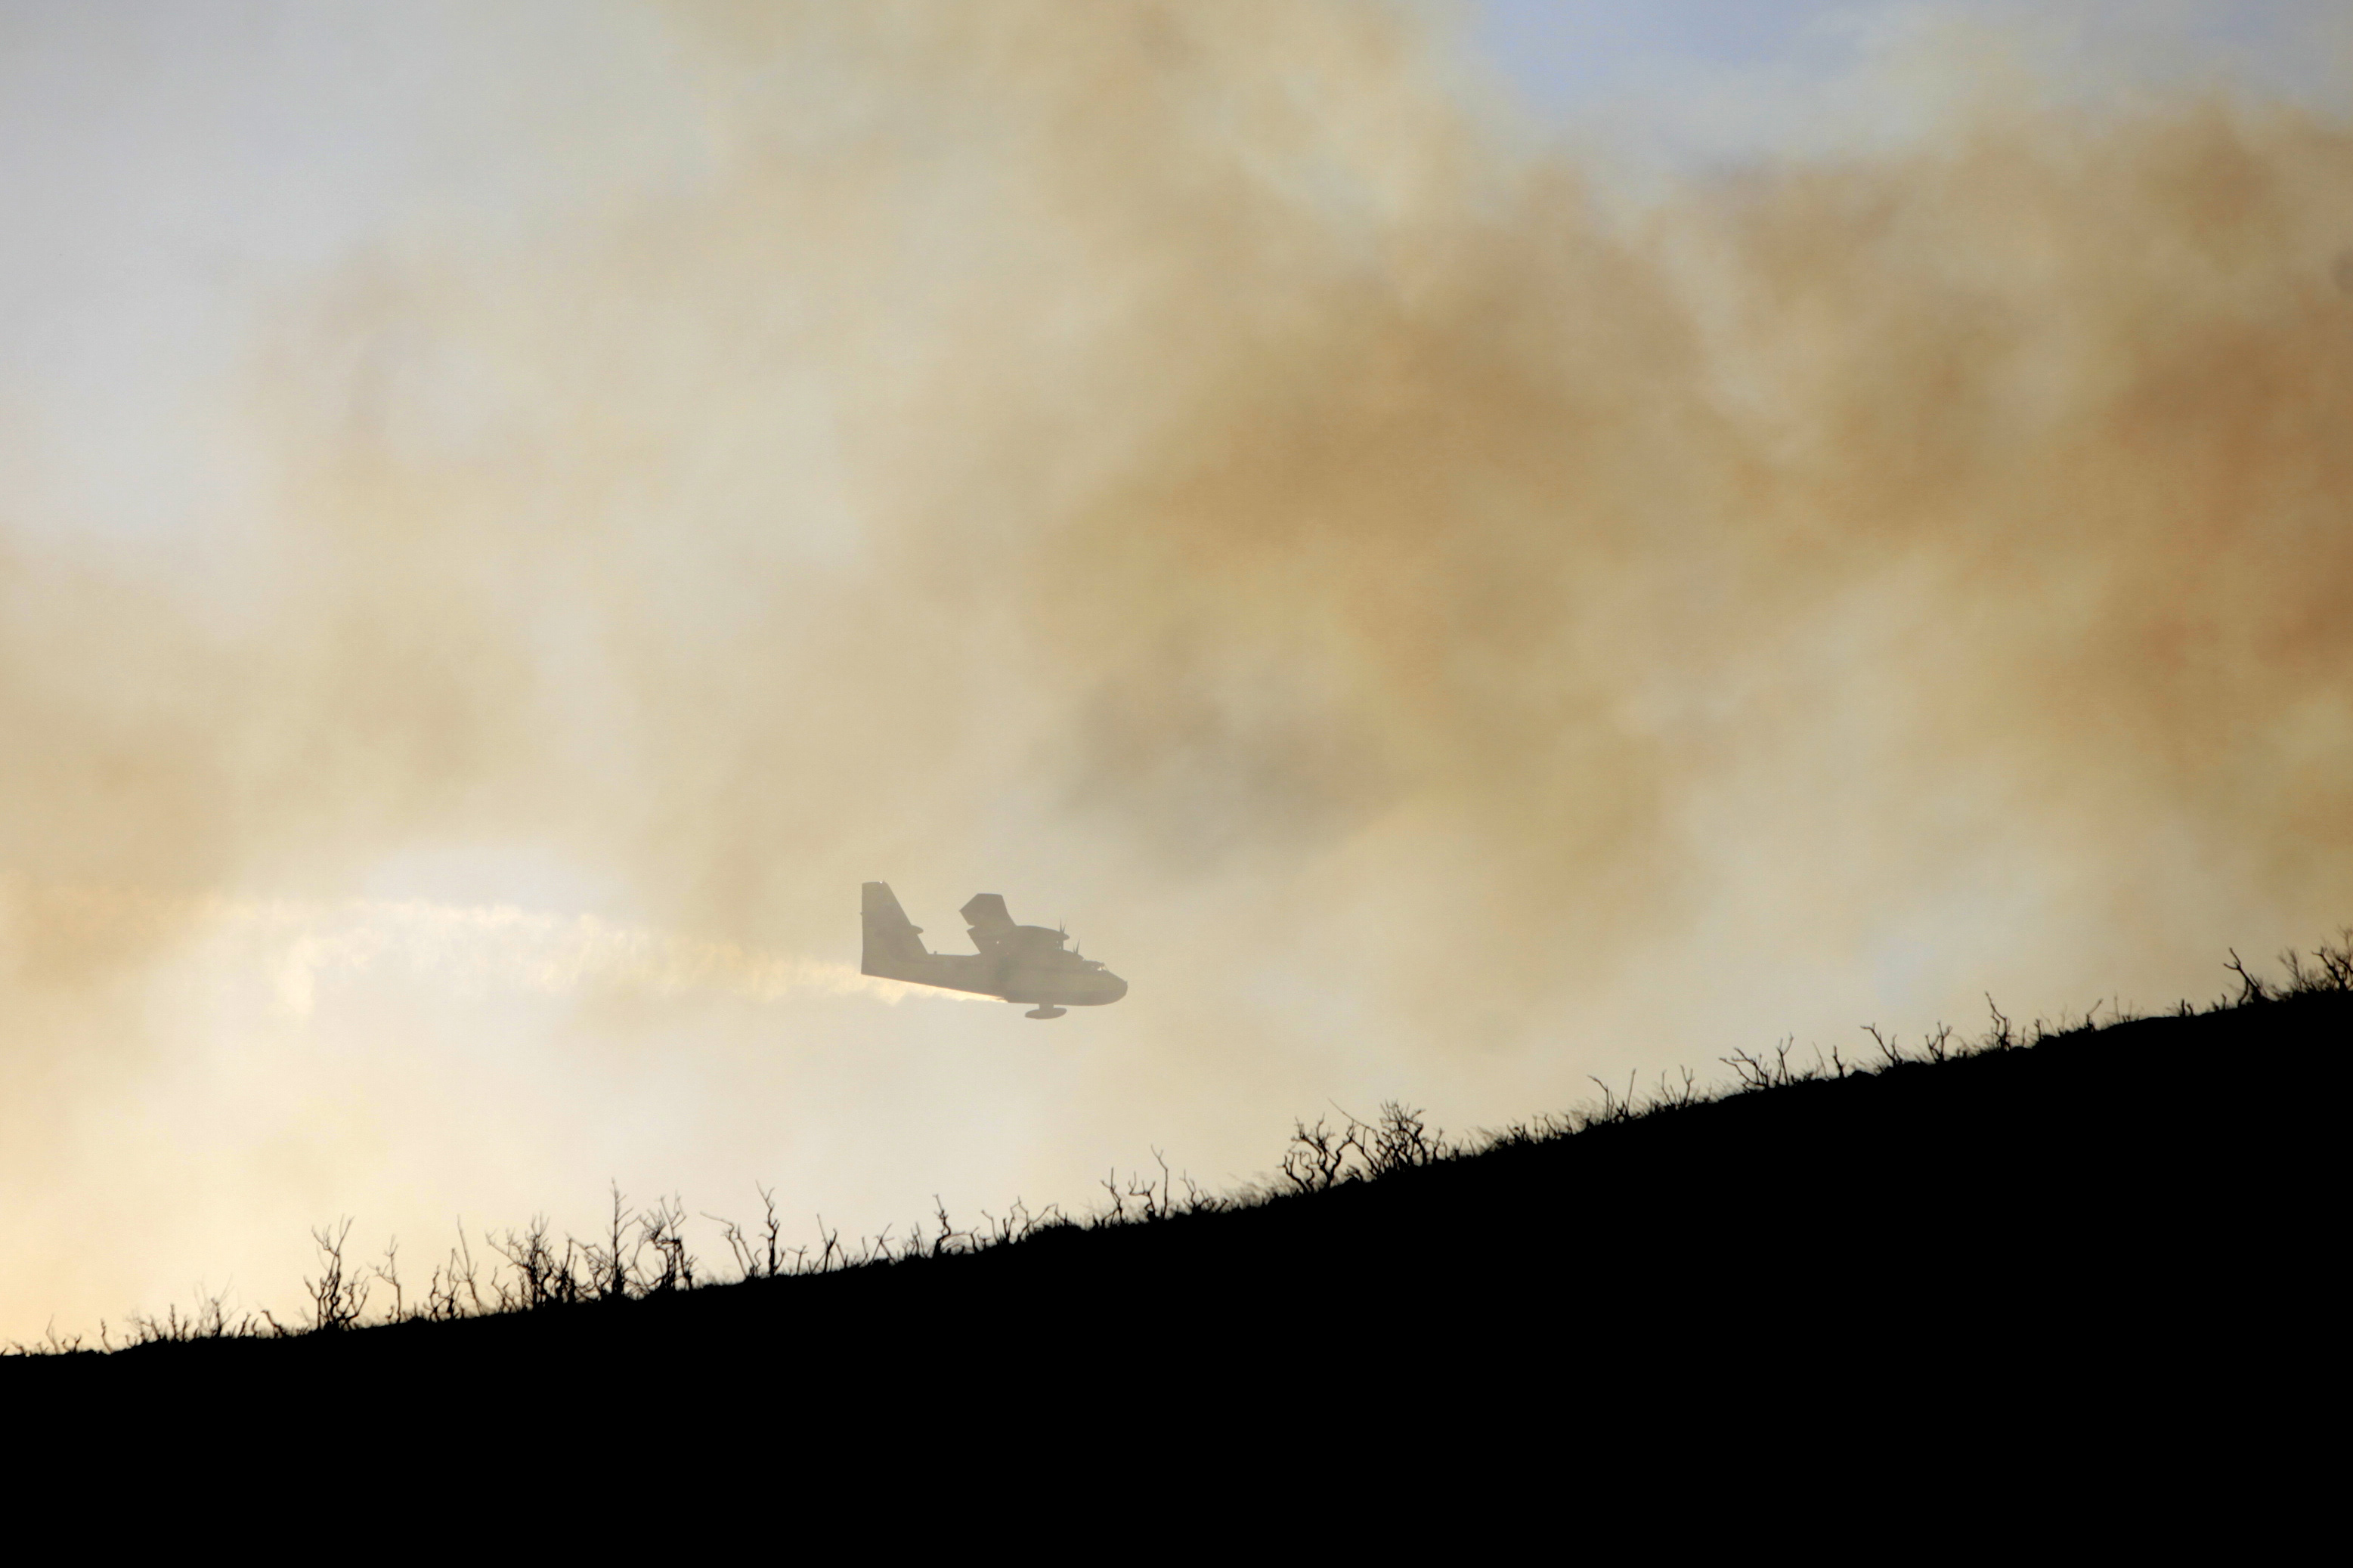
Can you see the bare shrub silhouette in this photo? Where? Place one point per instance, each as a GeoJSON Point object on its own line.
{"type": "Point", "coordinates": [2250, 989]}
{"type": "Point", "coordinates": [761, 1256]}
{"type": "Point", "coordinates": [388, 1272]}
{"type": "Point", "coordinates": [1319, 1157]}
{"type": "Point", "coordinates": [338, 1296]}
{"type": "Point", "coordinates": [208, 1320]}
{"type": "Point", "coordinates": [612, 1271]}
{"type": "Point", "coordinates": [1398, 1138]}
{"type": "Point", "coordinates": [1018, 1224]}
{"type": "Point", "coordinates": [455, 1290]}
{"type": "Point", "coordinates": [2331, 969]}
{"type": "Point", "coordinates": [659, 1228]}
{"type": "Point", "coordinates": [542, 1278]}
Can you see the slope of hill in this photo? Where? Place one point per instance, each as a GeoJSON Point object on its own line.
{"type": "Point", "coordinates": [2103, 1199]}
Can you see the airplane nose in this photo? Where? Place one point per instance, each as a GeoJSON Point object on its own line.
{"type": "Point", "coordinates": [1117, 989]}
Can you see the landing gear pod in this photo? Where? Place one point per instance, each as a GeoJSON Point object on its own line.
{"type": "Point", "coordinates": [1045, 1012]}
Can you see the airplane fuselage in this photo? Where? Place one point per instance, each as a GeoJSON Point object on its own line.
{"type": "Point", "coordinates": [1039, 984]}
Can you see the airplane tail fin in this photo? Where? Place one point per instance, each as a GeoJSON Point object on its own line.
{"type": "Point", "coordinates": [893, 943]}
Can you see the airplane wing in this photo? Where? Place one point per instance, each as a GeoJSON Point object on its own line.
{"type": "Point", "coordinates": [992, 926]}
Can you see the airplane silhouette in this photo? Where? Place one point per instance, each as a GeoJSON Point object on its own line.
{"type": "Point", "coordinates": [1019, 964]}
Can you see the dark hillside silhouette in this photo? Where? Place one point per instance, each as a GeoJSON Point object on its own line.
{"type": "Point", "coordinates": [2113, 1205]}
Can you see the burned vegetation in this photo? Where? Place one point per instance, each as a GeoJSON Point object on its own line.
{"type": "Point", "coordinates": [2122, 1174]}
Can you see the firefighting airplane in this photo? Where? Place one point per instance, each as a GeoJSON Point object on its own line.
{"type": "Point", "coordinates": [1020, 963]}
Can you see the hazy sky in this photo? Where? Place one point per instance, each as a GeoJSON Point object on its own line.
{"type": "Point", "coordinates": [1459, 549]}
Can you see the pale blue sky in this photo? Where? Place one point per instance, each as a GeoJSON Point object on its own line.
{"type": "Point", "coordinates": [1672, 85]}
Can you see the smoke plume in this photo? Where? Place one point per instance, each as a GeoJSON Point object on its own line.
{"type": "Point", "coordinates": [1435, 632]}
